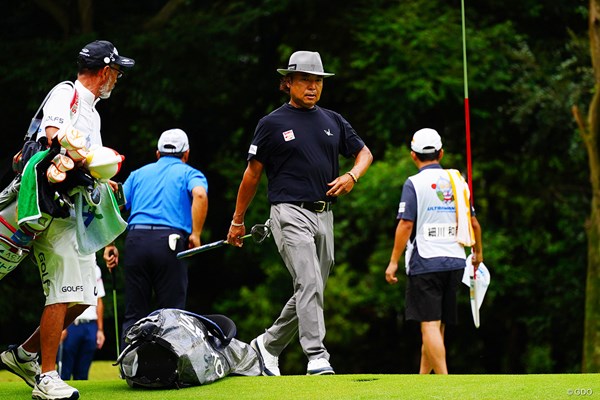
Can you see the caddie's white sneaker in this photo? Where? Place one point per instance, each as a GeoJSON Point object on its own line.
{"type": "Point", "coordinates": [25, 369]}
{"type": "Point", "coordinates": [320, 366]}
{"type": "Point", "coordinates": [49, 386]}
{"type": "Point", "coordinates": [271, 362]}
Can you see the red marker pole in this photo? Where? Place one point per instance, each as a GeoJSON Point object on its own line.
{"type": "Point", "coordinates": [467, 117]}
{"type": "Point", "coordinates": [473, 282]}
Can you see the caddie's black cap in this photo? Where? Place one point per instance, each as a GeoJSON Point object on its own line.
{"type": "Point", "coordinates": [101, 53]}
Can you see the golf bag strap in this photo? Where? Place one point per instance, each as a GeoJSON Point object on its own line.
{"type": "Point", "coordinates": [220, 326]}
{"type": "Point", "coordinates": [38, 113]}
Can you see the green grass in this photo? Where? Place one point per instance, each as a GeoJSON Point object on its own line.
{"type": "Point", "coordinates": [104, 385]}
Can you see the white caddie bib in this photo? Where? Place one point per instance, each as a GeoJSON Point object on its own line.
{"type": "Point", "coordinates": [436, 223]}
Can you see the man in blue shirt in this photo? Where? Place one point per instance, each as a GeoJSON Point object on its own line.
{"type": "Point", "coordinates": [298, 146]}
{"type": "Point", "coordinates": [168, 203]}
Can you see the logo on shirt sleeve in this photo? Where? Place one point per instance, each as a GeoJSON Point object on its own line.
{"type": "Point", "coordinates": [288, 135]}
{"type": "Point", "coordinates": [401, 207]}
{"type": "Point", "coordinates": [252, 149]}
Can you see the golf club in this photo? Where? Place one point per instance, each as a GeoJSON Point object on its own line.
{"type": "Point", "coordinates": [258, 233]}
{"type": "Point", "coordinates": [114, 296]}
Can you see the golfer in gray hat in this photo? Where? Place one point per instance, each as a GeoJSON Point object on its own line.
{"type": "Point", "coordinates": [298, 146]}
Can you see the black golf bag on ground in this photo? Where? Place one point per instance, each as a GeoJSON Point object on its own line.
{"type": "Point", "coordinates": [175, 348]}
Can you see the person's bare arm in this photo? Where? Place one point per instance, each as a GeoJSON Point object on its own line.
{"type": "Point", "coordinates": [477, 249]}
{"type": "Point", "coordinates": [100, 315]}
{"type": "Point", "coordinates": [343, 184]}
{"type": "Point", "coordinates": [50, 132]}
{"type": "Point", "coordinates": [199, 211]}
{"type": "Point", "coordinates": [403, 231]}
{"type": "Point", "coordinates": [246, 193]}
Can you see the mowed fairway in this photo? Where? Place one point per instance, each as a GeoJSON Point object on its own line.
{"type": "Point", "coordinates": [104, 385]}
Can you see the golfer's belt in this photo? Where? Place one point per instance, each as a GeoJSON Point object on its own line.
{"type": "Point", "coordinates": [315, 206]}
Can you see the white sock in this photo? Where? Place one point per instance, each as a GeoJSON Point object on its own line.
{"type": "Point", "coordinates": [24, 354]}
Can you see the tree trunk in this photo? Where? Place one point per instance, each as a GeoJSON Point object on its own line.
{"type": "Point", "coordinates": [590, 132]}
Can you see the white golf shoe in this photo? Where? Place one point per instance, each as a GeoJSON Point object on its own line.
{"type": "Point", "coordinates": [50, 386]}
{"type": "Point", "coordinates": [25, 369]}
{"type": "Point", "coordinates": [271, 362]}
{"type": "Point", "coordinates": [320, 366]}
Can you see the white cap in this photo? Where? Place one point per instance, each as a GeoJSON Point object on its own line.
{"type": "Point", "coordinates": [426, 141]}
{"type": "Point", "coordinates": [173, 141]}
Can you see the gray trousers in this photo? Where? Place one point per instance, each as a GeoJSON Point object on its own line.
{"type": "Point", "coordinates": [305, 241]}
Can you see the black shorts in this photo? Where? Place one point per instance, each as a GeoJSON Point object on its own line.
{"type": "Point", "coordinates": [432, 296]}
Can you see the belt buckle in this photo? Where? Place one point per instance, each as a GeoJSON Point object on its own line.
{"type": "Point", "coordinates": [321, 203]}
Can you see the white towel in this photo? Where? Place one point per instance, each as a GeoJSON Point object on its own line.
{"type": "Point", "coordinates": [464, 232]}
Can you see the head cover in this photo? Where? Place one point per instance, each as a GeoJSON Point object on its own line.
{"type": "Point", "coordinates": [103, 162]}
{"type": "Point", "coordinates": [173, 141]}
{"type": "Point", "coordinates": [101, 53]}
{"type": "Point", "coordinates": [426, 141]}
{"type": "Point", "coordinates": [305, 61]}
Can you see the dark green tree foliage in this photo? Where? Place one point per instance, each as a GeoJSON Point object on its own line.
{"type": "Point", "coordinates": [209, 68]}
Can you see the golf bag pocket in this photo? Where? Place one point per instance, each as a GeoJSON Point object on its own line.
{"type": "Point", "coordinates": [14, 243]}
{"type": "Point", "coordinates": [11, 255]}
{"type": "Point", "coordinates": [175, 348]}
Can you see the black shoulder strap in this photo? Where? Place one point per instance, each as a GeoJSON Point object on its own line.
{"type": "Point", "coordinates": [36, 121]}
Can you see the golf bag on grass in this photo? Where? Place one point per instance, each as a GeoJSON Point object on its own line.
{"type": "Point", "coordinates": [175, 348]}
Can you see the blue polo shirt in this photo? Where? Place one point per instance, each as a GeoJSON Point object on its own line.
{"type": "Point", "coordinates": [161, 193]}
{"type": "Point", "coordinates": [300, 150]}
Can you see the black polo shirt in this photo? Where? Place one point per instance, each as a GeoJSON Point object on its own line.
{"type": "Point", "coordinates": [299, 150]}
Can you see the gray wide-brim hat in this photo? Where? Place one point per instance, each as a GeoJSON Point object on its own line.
{"type": "Point", "coordinates": [305, 61]}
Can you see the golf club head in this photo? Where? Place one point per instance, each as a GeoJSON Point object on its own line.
{"type": "Point", "coordinates": [260, 232]}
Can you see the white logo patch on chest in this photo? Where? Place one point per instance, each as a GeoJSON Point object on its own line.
{"type": "Point", "coordinates": [288, 135]}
